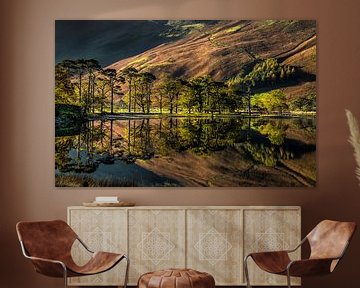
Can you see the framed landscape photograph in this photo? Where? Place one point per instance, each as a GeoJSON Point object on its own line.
{"type": "Point", "coordinates": [185, 103]}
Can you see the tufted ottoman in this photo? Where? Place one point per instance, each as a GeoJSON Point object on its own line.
{"type": "Point", "coordinates": [176, 278]}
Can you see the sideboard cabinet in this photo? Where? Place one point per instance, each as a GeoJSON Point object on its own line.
{"type": "Point", "coordinates": [211, 239]}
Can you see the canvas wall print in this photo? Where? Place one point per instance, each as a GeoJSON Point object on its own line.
{"type": "Point", "coordinates": [185, 103]}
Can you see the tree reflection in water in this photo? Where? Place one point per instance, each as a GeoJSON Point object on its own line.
{"type": "Point", "coordinates": [263, 141]}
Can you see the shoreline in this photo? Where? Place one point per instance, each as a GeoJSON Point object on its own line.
{"type": "Point", "coordinates": [134, 116]}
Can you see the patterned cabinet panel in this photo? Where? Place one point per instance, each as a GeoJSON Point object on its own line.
{"type": "Point", "coordinates": [156, 240]}
{"type": "Point", "coordinates": [101, 230]}
{"type": "Point", "coordinates": [209, 239]}
{"type": "Point", "coordinates": [214, 244]}
{"type": "Point", "coordinates": [267, 230]}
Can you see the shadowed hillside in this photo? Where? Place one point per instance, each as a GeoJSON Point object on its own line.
{"type": "Point", "coordinates": [108, 41]}
{"type": "Point", "coordinates": [229, 48]}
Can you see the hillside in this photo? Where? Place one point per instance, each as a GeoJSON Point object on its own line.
{"type": "Point", "coordinates": [228, 48]}
{"type": "Point", "coordinates": [110, 40]}
{"type": "Point", "coordinates": [229, 168]}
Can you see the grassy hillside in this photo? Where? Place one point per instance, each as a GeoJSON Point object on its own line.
{"type": "Point", "coordinates": [213, 66]}
{"type": "Point", "coordinates": [228, 48]}
{"type": "Point", "coordinates": [111, 40]}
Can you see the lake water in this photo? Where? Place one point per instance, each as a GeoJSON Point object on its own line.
{"type": "Point", "coordinates": [188, 151]}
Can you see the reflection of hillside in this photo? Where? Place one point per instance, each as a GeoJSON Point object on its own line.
{"type": "Point", "coordinates": [225, 152]}
{"type": "Point", "coordinates": [226, 168]}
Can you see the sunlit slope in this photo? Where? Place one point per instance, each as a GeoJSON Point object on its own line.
{"type": "Point", "coordinates": [228, 48]}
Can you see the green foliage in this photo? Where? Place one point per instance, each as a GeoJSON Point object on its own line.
{"type": "Point", "coordinates": [196, 26]}
{"type": "Point", "coordinates": [170, 90]}
{"type": "Point", "coordinates": [139, 61]}
{"type": "Point", "coordinates": [69, 74]}
{"type": "Point", "coordinates": [275, 133]}
{"type": "Point", "coordinates": [233, 29]}
{"type": "Point", "coordinates": [179, 28]}
{"type": "Point", "coordinates": [274, 150]}
{"type": "Point", "coordinates": [142, 90]}
{"type": "Point", "coordinates": [304, 103]}
{"type": "Point", "coordinates": [267, 154]}
{"type": "Point", "coordinates": [273, 101]}
{"type": "Point", "coordinates": [86, 181]}
{"type": "Point", "coordinates": [266, 73]}
{"type": "Point", "coordinates": [207, 95]}
{"type": "Point", "coordinates": [278, 22]}
{"type": "Point", "coordinates": [83, 82]}
{"type": "Point", "coordinates": [269, 72]}
{"type": "Point", "coordinates": [64, 88]}
{"type": "Point", "coordinates": [258, 141]}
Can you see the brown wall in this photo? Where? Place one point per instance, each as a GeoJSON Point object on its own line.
{"type": "Point", "coordinates": [27, 127]}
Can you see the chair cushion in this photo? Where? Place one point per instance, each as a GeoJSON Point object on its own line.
{"type": "Point", "coordinates": [272, 262]}
{"type": "Point", "coordinates": [176, 278]}
{"type": "Point", "coordinates": [99, 262]}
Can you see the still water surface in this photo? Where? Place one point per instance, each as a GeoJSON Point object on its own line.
{"type": "Point", "coordinates": [188, 151]}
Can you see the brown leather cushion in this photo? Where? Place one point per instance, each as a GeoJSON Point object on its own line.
{"type": "Point", "coordinates": [176, 278]}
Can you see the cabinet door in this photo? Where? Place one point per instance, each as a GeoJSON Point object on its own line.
{"type": "Point", "coordinates": [156, 240]}
{"type": "Point", "coordinates": [214, 244]}
{"type": "Point", "coordinates": [270, 230]}
{"type": "Point", "coordinates": [100, 230]}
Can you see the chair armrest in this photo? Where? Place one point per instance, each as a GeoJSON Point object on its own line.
{"type": "Point", "coordinates": [45, 260]}
{"type": "Point", "coordinates": [49, 267]}
{"type": "Point", "coordinates": [268, 253]}
{"type": "Point", "coordinates": [281, 251]}
{"type": "Point", "coordinates": [309, 267]}
{"type": "Point", "coordinates": [298, 246]}
{"type": "Point", "coordinates": [83, 244]}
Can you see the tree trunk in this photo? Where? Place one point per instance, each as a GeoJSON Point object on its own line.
{"type": "Point", "coordinates": [129, 104]}
{"type": "Point", "coordinates": [111, 137]}
{"type": "Point", "coordinates": [101, 132]}
{"type": "Point", "coordinates": [148, 99]}
{"type": "Point", "coordinates": [176, 103]}
{"type": "Point", "coordinates": [102, 99]}
{"type": "Point", "coordinates": [80, 76]}
{"type": "Point", "coordinates": [93, 93]}
{"type": "Point", "coordinates": [129, 137]}
{"type": "Point", "coordinates": [112, 99]}
{"type": "Point", "coordinates": [160, 104]}
{"type": "Point", "coordinates": [134, 105]}
{"type": "Point", "coordinates": [87, 106]}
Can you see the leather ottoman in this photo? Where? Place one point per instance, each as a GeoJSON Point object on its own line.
{"type": "Point", "coordinates": [176, 278]}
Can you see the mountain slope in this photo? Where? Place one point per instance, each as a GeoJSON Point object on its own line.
{"type": "Point", "coordinates": [228, 48]}
{"type": "Point", "coordinates": [110, 40]}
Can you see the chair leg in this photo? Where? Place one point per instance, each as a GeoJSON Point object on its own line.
{"type": "Point", "coordinates": [65, 276]}
{"type": "Point", "coordinates": [288, 278]}
{"type": "Point", "coordinates": [246, 270]}
{"type": "Point", "coordinates": [126, 271]}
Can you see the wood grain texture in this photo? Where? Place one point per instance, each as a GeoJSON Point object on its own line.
{"type": "Point", "coordinates": [156, 240]}
{"type": "Point", "coordinates": [214, 244]}
{"type": "Point", "coordinates": [211, 239]}
{"type": "Point", "coordinates": [271, 230]}
{"type": "Point", "coordinates": [100, 230]}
